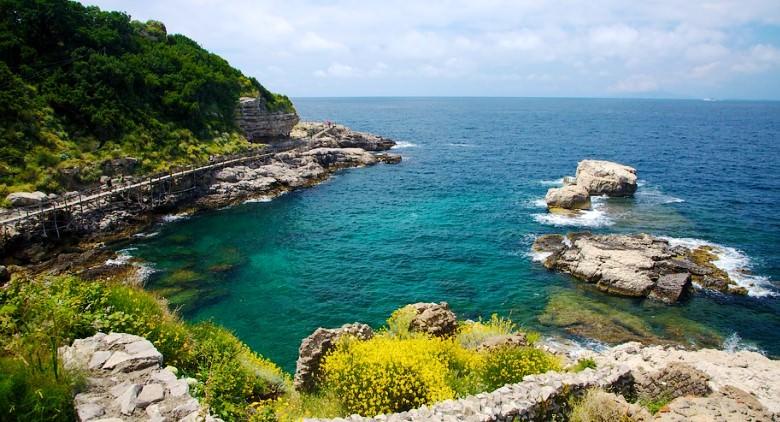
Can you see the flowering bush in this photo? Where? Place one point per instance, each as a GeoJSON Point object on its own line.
{"type": "Point", "coordinates": [508, 365]}
{"type": "Point", "coordinates": [387, 374]}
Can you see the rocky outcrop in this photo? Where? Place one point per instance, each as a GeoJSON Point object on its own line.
{"type": "Point", "coordinates": [434, 319]}
{"type": "Point", "coordinates": [125, 381]}
{"type": "Point", "coordinates": [257, 123]}
{"type": "Point", "coordinates": [747, 371]}
{"type": "Point", "coordinates": [26, 199]}
{"type": "Point", "coordinates": [633, 265]}
{"type": "Point", "coordinates": [730, 404]}
{"type": "Point", "coordinates": [338, 136]}
{"type": "Point", "coordinates": [606, 178]}
{"type": "Point", "coordinates": [316, 346]}
{"type": "Point", "coordinates": [570, 197]}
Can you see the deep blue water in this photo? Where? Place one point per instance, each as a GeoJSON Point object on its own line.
{"type": "Point", "coordinates": [454, 221]}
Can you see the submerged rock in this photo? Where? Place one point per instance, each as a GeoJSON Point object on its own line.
{"type": "Point", "coordinates": [606, 178]}
{"type": "Point", "coordinates": [634, 265]}
{"type": "Point", "coordinates": [569, 197]}
{"type": "Point", "coordinates": [316, 346]}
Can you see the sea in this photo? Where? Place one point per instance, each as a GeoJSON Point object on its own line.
{"type": "Point", "coordinates": [455, 220]}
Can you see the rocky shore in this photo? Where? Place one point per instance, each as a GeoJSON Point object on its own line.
{"type": "Point", "coordinates": [634, 265]}
{"type": "Point", "coordinates": [310, 155]}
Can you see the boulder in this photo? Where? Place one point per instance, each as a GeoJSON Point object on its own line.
{"type": "Point", "coordinates": [341, 157]}
{"type": "Point", "coordinates": [606, 178]}
{"type": "Point", "coordinates": [434, 319]}
{"type": "Point", "coordinates": [316, 346]}
{"type": "Point", "coordinates": [671, 287]}
{"type": "Point", "coordinates": [570, 197]}
{"type": "Point", "coordinates": [26, 199]}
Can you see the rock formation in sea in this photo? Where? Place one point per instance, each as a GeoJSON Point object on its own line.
{"type": "Point", "coordinates": [634, 265]}
{"type": "Point", "coordinates": [571, 197]}
{"type": "Point", "coordinates": [606, 178]}
{"type": "Point", "coordinates": [594, 177]}
{"type": "Point", "coordinates": [257, 123]}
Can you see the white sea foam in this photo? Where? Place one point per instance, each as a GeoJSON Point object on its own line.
{"type": "Point", "coordinates": [175, 217]}
{"type": "Point", "coordinates": [124, 257]}
{"type": "Point", "coordinates": [460, 145]}
{"type": "Point", "coordinates": [734, 343]}
{"type": "Point", "coordinates": [556, 182]}
{"type": "Point", "coordinates": [145, 235]}
{"type": "Point", "coordinates": [735, 263]}
{"type": "Point", "coordinates": [260, 199]}
{"type": "Point", "coordinates": [538, 203]}
{"type": "Point", "coordinates": [594, 217]}
{"type": "Point", "coordinates": [651, 195]}
{"type": "Point", "coordinates": [538, 256]}
{"type": "Point", "coordinates": [403, 144]}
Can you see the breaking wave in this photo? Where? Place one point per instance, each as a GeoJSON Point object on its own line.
{"type": "Point", "coordinates": [735, 263]}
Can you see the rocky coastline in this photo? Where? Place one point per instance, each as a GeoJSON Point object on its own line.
{"type": "Point", "coordinates": [312, 152]}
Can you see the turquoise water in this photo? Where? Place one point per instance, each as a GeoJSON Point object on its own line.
{"type": "Point", "coordinates": [454, 221]}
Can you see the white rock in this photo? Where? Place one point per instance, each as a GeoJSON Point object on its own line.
{"type": "Point", "coordinates": [606, 178]}
{"type": "Point", "coordinates": [127, 400]}
{"type": "Point", "coordinates": [151, 393]}
{"type": "Point", "coordinates": [89, 411]}
{"type": "Point", "coordinates": [25, 199]}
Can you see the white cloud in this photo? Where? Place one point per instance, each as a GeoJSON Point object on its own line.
{"type": "Point", "coordinates": [635, 84]}
{"type": "Point", "coordinates": [587, 48]}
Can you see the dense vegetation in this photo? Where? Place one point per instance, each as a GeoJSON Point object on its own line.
{"type": "Point", "coordinates": [396, 370]}
{"type": "Point", "coordinates": [79, 85]}
{"type": "Point", "coordinates": [39, 315]}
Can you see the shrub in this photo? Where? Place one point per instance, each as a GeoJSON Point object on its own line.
{"type": "Point", "coordinates": [399, 321]}
{"type": "Point", "coordinates": [36, 390]}
{"type": "Point", "coordinates": [472, 334]}
{"type": "Point", "coordinates": [599, 406]}
{"type": "Point", "coordinates": [231, 375]}
{"type": "Point", "coordinates": [583, 364]}
{"type": "Point", "coordinates": [387, 374]}
{"type": "Point", "coordinates": [507, 365]}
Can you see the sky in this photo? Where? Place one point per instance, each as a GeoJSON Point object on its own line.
{"type": "Point", "coordinates": [720, 49]}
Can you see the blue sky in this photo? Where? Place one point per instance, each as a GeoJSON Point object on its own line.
{"type": "Point", "coordinates": [596, 48]}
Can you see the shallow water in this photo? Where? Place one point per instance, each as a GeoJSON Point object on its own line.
{"type": "Point", "coordinates": [455, 220]}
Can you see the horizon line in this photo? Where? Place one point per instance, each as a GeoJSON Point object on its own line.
{"type": "Point", "coordinates": [705, 99]}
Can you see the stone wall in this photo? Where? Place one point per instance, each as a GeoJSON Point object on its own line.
{"type": "Point", "coordinates": [537, 398]}
{"type": "Point", "coordinates": [257, 122]}
{"type": "Point", "coordinates": [126, 382]}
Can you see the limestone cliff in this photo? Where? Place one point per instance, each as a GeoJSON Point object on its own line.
{"type": "Point", "coordinates": [257, 122]}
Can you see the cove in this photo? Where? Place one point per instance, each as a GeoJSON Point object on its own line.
{"type": "Point", "coordinates": [455, 220]}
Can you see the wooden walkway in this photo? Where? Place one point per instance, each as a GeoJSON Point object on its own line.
{"type": "Point", "coordinates": [152, 191]}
